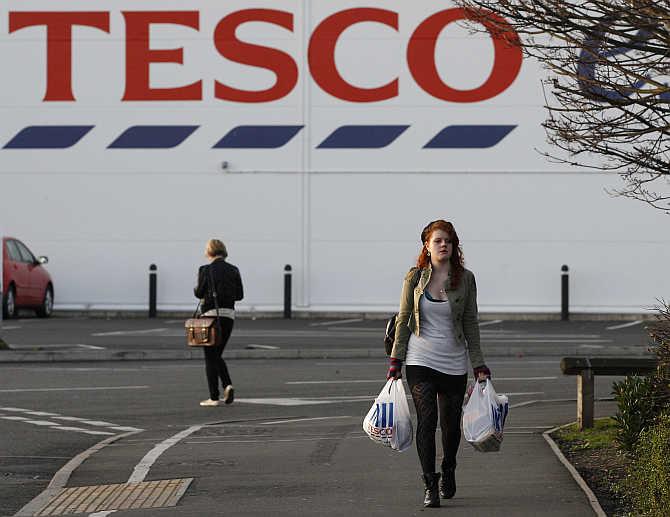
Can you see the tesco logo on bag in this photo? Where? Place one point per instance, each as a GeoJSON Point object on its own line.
{"type": "Point", "coordinates": [142, 54]}
{"type": "Point", "coordinates": [381, 423]}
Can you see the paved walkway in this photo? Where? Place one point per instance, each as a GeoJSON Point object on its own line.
{"type": "Point", "coordinates": [323, 465]}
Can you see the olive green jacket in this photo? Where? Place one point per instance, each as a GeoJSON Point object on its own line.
{"type": "Point", "coordinates": [464, 314]}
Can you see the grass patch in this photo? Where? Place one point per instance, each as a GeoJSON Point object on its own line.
{"type": "Point", "coordinates": [597, 458]}
{"type": "Point", "coordinates": [601, 436]}
{"type": "Point", "coordinates": [3, 345]}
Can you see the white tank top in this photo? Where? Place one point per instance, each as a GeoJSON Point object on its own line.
{"type": "Point", "coordinates": [436, 347]}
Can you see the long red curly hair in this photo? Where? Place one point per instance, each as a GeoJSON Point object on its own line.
{"type": "Point", "coordinates": [456, 259]}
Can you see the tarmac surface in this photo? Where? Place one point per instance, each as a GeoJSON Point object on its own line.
{"type": "Point", "coordinates": [57, 339]}
{"type": "Point", "coordinates": [292, 442]}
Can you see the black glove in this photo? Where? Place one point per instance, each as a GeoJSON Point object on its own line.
{"type": "Point", "coordinates": [482, 369]}
{"type": "Point", "coordinates": [395, 369]}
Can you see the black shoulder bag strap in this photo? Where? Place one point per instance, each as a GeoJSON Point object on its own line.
{"type": "Point", "coordinates": [417, 276]}
{"type": "Point", "coordinates": [212, 287]}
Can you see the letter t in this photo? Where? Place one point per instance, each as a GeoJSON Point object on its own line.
{"type": "Point", "coordinates": [59, 44]}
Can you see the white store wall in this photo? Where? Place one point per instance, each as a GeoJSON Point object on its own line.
{"type": "Point", "coordinates": [347, 220]}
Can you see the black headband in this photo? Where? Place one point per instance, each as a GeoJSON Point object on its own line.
{"type": "Point", "coordinates": [425, 231]}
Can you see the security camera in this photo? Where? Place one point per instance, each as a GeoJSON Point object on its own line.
{"type": "Point", "coordinates": [224, 166]}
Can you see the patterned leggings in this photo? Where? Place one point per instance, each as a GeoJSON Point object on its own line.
{"type": "Point", "coordinates": [434, 392]}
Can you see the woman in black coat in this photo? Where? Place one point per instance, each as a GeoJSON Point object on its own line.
{"type": "Point", "coordinates": [227, 284]}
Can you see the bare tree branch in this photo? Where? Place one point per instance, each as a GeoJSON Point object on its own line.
{"type": "Point", "coordinates": [609, 67]}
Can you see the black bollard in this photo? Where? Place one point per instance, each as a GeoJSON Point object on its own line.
{"type": "Point", "coordinates": [565, 305]}
{"type": "Point", "coordinates": [152, 290]}
{"type": "Point", "coordinates": [287, 291]}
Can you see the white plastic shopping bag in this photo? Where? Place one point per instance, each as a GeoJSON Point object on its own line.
{"type": "Point", "coordinates": [484, 417]}
{"type": "Point", "coordinates": [388, 422]}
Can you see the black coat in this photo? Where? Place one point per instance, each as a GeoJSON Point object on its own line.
{"type": "Point", "coordinates": [227, 282]}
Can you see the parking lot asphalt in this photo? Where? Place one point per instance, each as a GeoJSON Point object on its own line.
{"type": "Point", "coordinates": [90, 339]}
{"type": "Point", "coordinates": [291, 444]}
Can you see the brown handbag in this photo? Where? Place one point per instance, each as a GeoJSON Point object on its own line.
{"type": "Point", "coordinates": [204, 331]}
{"type": "Point", "coordinates": [201, 331]}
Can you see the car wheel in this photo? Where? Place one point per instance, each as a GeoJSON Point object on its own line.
{"type": "Point", "coordinates": [47, 306]}
{"type": "Point", "coordinates": [9, 304]}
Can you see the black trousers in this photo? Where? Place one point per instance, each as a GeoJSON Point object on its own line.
{"type": "Point", "coordinates": [436, 393]}
{"type": "Point", "coordinates": [215, 366]}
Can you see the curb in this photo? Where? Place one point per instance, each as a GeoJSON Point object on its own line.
{"type": "Point", "coordinates": [55, 356]}
{"type": "Point", "coordinates": [593, 500]}
{"type": "Point", "coordinates": [301, 314]}
{"type": "Point", "coordinates": [60, 478]}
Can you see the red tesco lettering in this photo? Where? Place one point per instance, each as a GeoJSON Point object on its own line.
{"type": "Point", "coordinates": [321, 54]}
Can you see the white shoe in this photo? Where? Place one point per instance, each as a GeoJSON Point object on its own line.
{"type": "Point", "coordinates": [228, 394]}
{"type": "Point", "coordinates": [209, 403]}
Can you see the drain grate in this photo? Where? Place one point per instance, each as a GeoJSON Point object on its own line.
{"type": "Point", "coordinates": [123, 496]}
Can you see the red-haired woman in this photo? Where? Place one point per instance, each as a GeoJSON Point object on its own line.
{"type": "Point", "coordinates": [437, 330]}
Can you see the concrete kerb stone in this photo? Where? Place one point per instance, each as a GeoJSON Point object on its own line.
{"type": "Point", "coordinates": [593, 500]}
{"type": "Point", "coordinates": [365, 315]}
{"type": "Point", "coordinates": [41, 356]}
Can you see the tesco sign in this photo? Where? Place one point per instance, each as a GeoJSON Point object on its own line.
{"type": "Point", "coordinates": [139, 54]}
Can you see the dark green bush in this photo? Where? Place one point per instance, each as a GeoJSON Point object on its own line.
{"type": "Point", "coordinates": [634, 397]}
{"type": "Point", "coordinates": [649, 481]}
{"type": "Point", "coordinates": [641, 399]}
{"type": "Point", "coordinates": [659, 332]}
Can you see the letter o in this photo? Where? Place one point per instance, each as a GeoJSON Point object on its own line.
{"type": "Point", "coordinates": [506, 64]}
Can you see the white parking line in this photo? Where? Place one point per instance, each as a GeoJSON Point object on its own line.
{"type": "Point", "coordinates": [355, 381]}
{"type": "Point", "coordinates": [528, 340]}
{"type": "Point", "coordinates": [53, 425]}
{"type": "Point", "coordinates": [525, 378]}
{"type": "Point", "coordinates": [542, 336]}
{"type": "Point", "coordinates": [129, 332]}
{"type": "Point", "coordinates": [108, 426]}
{"type": "Point", "coordinates": [39, 457]}
{"type": "Point", "coordinates": [43, 422]}
{"type": "Point", "coordinates": [624, 325]}
{"type": "Point", "coordinates": [89, 388]}
{"type": "Point", "coordinates": [279, 440]}
{"type": "Point", "coordinates": [290, 421]}
{"type": "Point", "coordinates": [338, 322]}
{"type": "Point", "coordinates": [487, 323]}
{"type": "Point", "coordinates": [142, 468]}
{"type": "Point", "coordinates": [82, 430]}
{"type": "Point", "coordinates": [366, 381]}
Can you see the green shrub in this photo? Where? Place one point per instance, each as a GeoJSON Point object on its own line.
{"type": "Point", "coordinates": [659, 332]}
{"type": "Point", "coordinates": [649, 482]}
{"type": "Point", "coordinates": [635, 409]}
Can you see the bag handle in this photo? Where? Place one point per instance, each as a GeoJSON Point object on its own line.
{"type": "Point", "coordinates": [197, 307]}
{"type": "Point", "coordinates": [212, 287]}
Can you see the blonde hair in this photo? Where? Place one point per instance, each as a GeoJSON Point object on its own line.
{"type": "Point", "coordinates": [216, 248]}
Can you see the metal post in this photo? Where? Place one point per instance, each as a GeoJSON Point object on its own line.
{"type": "Point", "coordinates": [287, 291]}
{"type": "Point", "coordinates": [585, 400]}
{"type": "Point", "coordinates": [565, 306]}
{"type": "Point", "coordinates": [152, 290]}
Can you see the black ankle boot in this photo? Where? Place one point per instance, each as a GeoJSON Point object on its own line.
{"type": "Point", "coordinates": [432, 496]}
{"type": "Point", "coordinates": [448, 484]}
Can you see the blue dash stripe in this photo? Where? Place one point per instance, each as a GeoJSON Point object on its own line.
{"type": "Point", "coordinates": [469, 137]}
{"type": "Point", "coordinates": [258, 137]}
{"type": "Point", "coordinates": [152, 137]}
{"type": "Point", "coordinates": [48, 137]}
{"type": "Point", "coordinates": [362, 137]}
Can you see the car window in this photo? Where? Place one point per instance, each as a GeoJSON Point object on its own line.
{"type": "Point", "coordinates": [26, 255]}
{"type": "Point", "coordinates": [13, 251]}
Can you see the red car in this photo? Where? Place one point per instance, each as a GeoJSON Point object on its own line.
{"type": "Point", "coordinates": [25, 282]}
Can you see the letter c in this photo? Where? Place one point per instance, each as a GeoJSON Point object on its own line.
{"type": "Point", "coordinates": [321, 55]}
